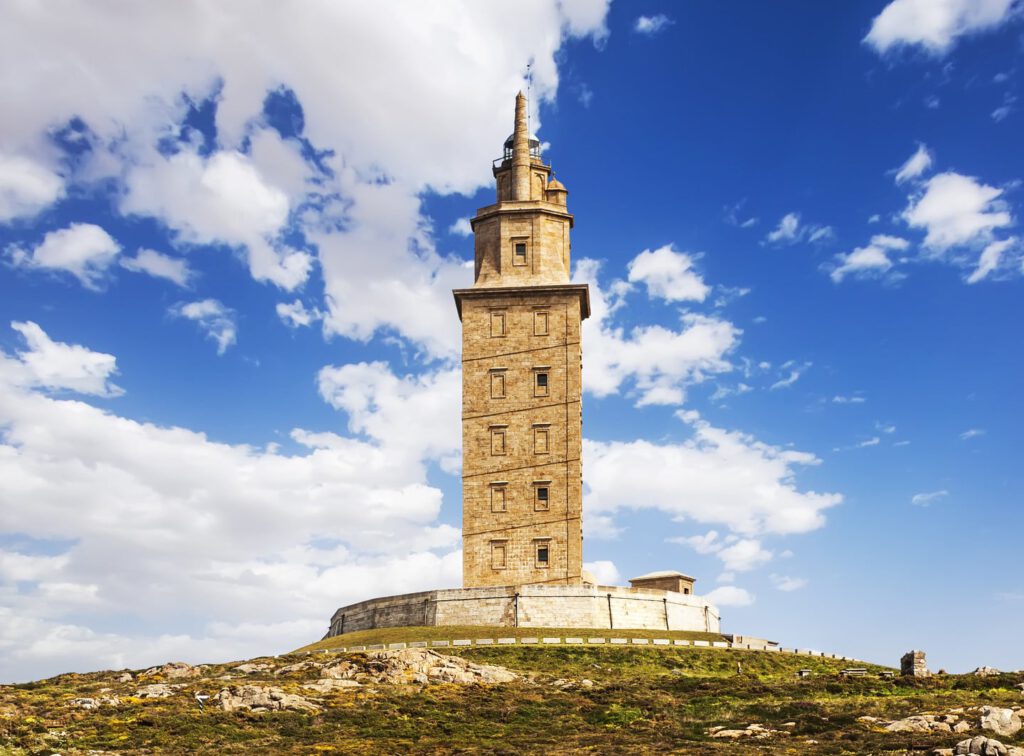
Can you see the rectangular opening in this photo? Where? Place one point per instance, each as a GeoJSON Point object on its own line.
{"type": "Point", "coordinates": [497, 323]}
{"type": "Point", "coordinates": [498, 549]}
{"type": "Point", "coordinates": [540, 440]}
{"type": "Point", "coordinates": [497, 442]}
{"type": "Point", "coordinates": [540, 323]}
{"type": "Point", "coordinates": [543, 552]}
{"type": "Point", "coordinates": [540, 383]}
{"type": "Point", "coordinates": [541, 498]}
{"type": "Point", "coordinates": [498, 501]}
{"type": "Point", "coordinates": [519, 251]}
{"type": "Point", "coordinates": [498, 385]}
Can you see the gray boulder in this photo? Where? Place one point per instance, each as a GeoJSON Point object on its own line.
{"type": "Point", "coordinates": [1003, 722]}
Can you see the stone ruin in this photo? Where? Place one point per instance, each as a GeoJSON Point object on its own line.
{"type": "Point", "coordinates": [912, 664]}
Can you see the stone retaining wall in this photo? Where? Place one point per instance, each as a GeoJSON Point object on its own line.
{"type": "Point", "coordinates": [599, 608]}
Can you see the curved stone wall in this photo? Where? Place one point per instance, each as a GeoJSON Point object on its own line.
{"type": "Point", "coordinates": [598, 607]}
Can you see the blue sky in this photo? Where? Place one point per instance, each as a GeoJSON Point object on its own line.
{"type": "Point", "coordinates": [229, 385]}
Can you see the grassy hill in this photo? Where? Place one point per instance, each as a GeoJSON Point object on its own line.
{"type": "Point", "coordinates": [565, 700]}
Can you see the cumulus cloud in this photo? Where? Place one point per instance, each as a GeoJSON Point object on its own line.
{"type": "Point", "coordinates": [668, 275]}
{"type": "Point", "coordinates": [188, 536]}
{"type": "Point", "coordinates": [935, 26]}
{"type": "Point", "coordinates": [84, 250]}
{"type": "Point", "coordinates": [956, 210]}
{"type": "Point", "coordinates": [26, 187]}
{"type": "Point", "coordinates": [357, 207]}
{"type": "Point", "coordinates": [416, 416]}
{"type": "Point", "coordinates": [651, 25]}
{"type": "Point", "coordinates": [659, 362]}
{"type": "Point", "coordinates": [213, 318]}
{"type": "Point", "coordinates": [296, 314]}
{"type": "Point", "coordinates": [915, 165]}
{"type": "Point", "coordinates": [153, 263]}
{"type": "Point", "coordinates": [604, 572]}
{"type": "Point", "coordinates": [55, 366]}
{"type": "Point", "coordinates": [869, 261]}
{"type": "Point", "coordinates": [730, 595]}
{"type": "Point", "coordinates": [717, 477]}
{"type": "Point", "coordinates": [461, 227]}
{"type": "Point", "coordinates": [924, 499]}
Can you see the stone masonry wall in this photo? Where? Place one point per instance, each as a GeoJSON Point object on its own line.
{"type": "Point", "coordinates": [601, 607]}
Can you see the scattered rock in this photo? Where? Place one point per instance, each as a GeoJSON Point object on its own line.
{"type": "Point", "coordinates": [260, 698]}
{"type": "Point", "coordinates": [94, 703]}
{"type": "Point", "coordinates": [987, 747]}
{"type": "Point", "coordinates": [299, 667]}
{"type": "Point", "coordinates": [586, 683]}
{"type": "Point", "coordinates": [986, 672]}
{"type": "Point", "coordinates": [942, 752]}
{"type": "Point", "coordinates": [124, 677]}
{"type": "Point", "coordinates": [252, 667]}
{"type": "Point", "coordinates": [157, 690]}
{"type": "Point", "coordinates": [176, 670]}
{"type": "Point", "coordinates": [420, 665]}
{"type": "Point", "coordinates": [753, 731]}
{"type": "Point", "coordinates": [1003, 722]}
{"type": "Point", "coordinates": [329, 684]}
{"type": "Point", "coordinates": [919, 723]}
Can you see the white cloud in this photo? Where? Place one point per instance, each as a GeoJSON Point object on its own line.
{"type": "Point", "coordinates": [659, 361]}
{"type": "Point", "coordinates": [153, 263]}
{"type": "Point", "coordinates": [415, 416]}
{"type": "Point", "coordinates": [744, 555]}
{"type": "Point", "coordinates": [717, 477]}
{"type": "Point", "coordinates": [256, 192]}
{"type": "Point", "coordinates": [967, 435]}
{"type": "Point", "coordinates": [785, 583]}
{"type": "Point", "coordinates": [668, 275]}
{"type": "Point", "coordinates": [956, 210]}
{"type": "Point", "coordinates": [461, 227]}
{"type": "Point", "coordinates": [935, 24]}
{"type": "Point", "coordinates": [915, 165]}
{"type": "Point", "coordinates": [604, 572]}
{"type": "Point", "coordinates": [296, 315]}
{"type": "Point", "coordinates": [787, 229]}
{"type": "Point", "coordinates": [221, 199]}
{"type": "Point", "coordinates": [924, 499]}
{"type": "Point", "coordinates": [839, 399]}
{"type": "Point", "coordinates": [26, 187]}
{"type": "Point", "coordinates": [56, 366]}
{"type": "Point", "coordinates": [790, 231]}
{"type": "Point", "coordinates": [730, 595]}
{"type": "Point", "coordinates": [871, 261]}
{"type": "Point", "coordinates": [82, 249]}
{"type": "Point", "coordinates": [794, 375]}
{"type": "Point", "coordinates": [142, 520]}
{"type": "Point", "coordinates": [213, 318]}
{"type": "Point", "coordinates": [651, 25]}
{"type": "Point", "coordinates": [873, 441]}
{"type": "Point", "coordinates": [990, 259]}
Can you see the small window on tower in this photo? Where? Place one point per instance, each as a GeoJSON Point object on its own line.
{"type": "Point", "coordinates": [540, 323]}
{"type": "Point", "coordinates": [540, 384]}
{"type": "Point", "coordinates": [519, 253]}
{"type": "Point", "coordinates": [541, 503]}
{"type": "Point", "coordinates": [543, 548]}
{"type": "Point", "coordinates": [497, 324]}
{"type": "Point", "coordinates": [498, 501]}
{"type": "Point", "coordinates": [497, 442]}
{"type": "Point", "coordinates": [498, 384]}
{"type": "Point", "coordinates": [540, 440]}
{"type": "Point", "coordinates": [498, 554]}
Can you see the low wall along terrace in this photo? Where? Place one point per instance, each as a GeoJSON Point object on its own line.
{"type": "Point", "coordinates": [600, 607]}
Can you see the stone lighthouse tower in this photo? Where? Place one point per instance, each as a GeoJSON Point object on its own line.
{"type": "Point", "coordinates": [522, 495]}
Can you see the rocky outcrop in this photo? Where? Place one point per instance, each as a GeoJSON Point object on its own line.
{"type": "Point", "coordinates": [986, 747]}
{"type": "Point", "coordinates": [419, 665]}
{"type": "Point", "coordinates": [156, 690]}
{"type": "Point", "coordinates": [1003, 722]}
{"type": "Point", "coordinates": [986, 671]}
{"type": "Point", "coordinates": [261, 698]}
{"type": "Point", "coordinates": [753, 731]}
{"type": "Point", "coordinates": [176, 671]}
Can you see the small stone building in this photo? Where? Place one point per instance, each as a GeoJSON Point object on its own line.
{"type": "Point", "coordinates": [666, 580]}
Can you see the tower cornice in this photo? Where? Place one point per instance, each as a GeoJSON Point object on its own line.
{"type": "Point", "coordinates": [490, 292]}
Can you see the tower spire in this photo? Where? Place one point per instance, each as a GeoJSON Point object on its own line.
{"type": "Point", "coordinates": [521, 152]}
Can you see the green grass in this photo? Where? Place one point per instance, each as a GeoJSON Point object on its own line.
{"type": "Point", "coordinates": [642, 700]}
{"type": "Point", "coordinates": [472, 632]}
